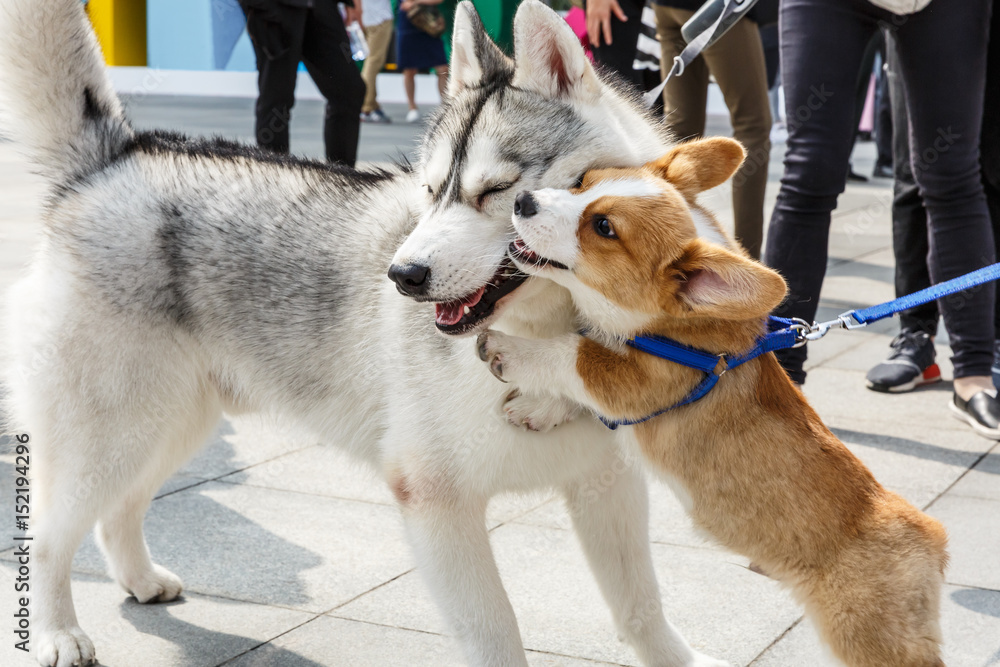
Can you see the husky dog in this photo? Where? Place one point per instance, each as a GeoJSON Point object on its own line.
{"type": "Point", "coordinates": [179, 279]}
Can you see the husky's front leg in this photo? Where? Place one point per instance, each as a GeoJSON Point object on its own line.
{"type": "Point", "coordinates": [453, 553]}
{"type": "Point", "coordinates": [611, 521]}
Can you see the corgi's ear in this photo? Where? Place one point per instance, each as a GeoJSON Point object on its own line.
{"type": "Point", "coordinates": [475, 59]}
{"type": "Point", "coordinates": [699, 165]}
{"type": "Point", "coordinates": [548, 57]}
{"type": "Point", "coordinates": [710, 281]}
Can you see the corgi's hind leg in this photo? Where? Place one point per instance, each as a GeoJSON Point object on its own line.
{"type": "Point", "coordinates": [119, 528]}
{"type": "Point", "coordinates": [612, 524]}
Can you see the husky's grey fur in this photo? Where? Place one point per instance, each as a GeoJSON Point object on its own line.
{"type": "Point", "coordinates": [178, 279]}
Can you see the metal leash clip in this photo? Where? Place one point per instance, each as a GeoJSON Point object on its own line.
{"type": "Point", "coordinates": [806, 332]}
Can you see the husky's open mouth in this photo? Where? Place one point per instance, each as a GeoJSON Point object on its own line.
{"type": "Point", "coordinates": [462, 315]}
{"type": "Point", "coordinates": [519, 251]}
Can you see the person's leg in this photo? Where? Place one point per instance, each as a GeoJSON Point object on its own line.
{"type": "Point", "coordinates": [911, 360]}
{"type": "Point", "coordinates": [326, 52]}
{"type": "Point", "coordinates": [684, 97]}
{"type": "Point", "coordinates": [378, 37]}
{"type": "Point", "coordinates": [946, 111]}
{"type": "Point", "coordinates": [819, 112]}
{"type": "Point", "coordinates": [909, 218]}
{"type": "Point", "coordinates": [410, 86]}
{"type": "Point", "coordinates": [619, 56]}
{"type": "Point", "coordinates": [276, 73]}
{"type": "Point", "coordinates": [989, 142]}
{"type": "Point", "coordinates": [737, 63]}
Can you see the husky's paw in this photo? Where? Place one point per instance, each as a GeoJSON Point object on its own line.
{"type": "Point", "coordinates": [64, 648]}
{"type": "Point", "coordinates": [539, 413]}
{"type": "Point", "coordinates": [156, 585]}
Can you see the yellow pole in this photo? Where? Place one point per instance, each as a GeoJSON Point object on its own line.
{"type": "Point", "coordinates": [121, 29]}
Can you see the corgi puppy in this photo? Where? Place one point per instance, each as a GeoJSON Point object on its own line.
{"type": "Point", "coordinates": [752, 462]}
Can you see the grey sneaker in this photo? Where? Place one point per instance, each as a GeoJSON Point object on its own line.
{"type": "Point", "coordinates": [981, 412]}
{"type": "Point", "coordinates": [376, 116]}
{"type": "Point", "coordinates": [910, 364]}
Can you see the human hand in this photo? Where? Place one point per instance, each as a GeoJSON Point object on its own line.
{"type": "Point", "coordinates": [599, 19]}
{"type": "Point", "coordinates": [352, 14]}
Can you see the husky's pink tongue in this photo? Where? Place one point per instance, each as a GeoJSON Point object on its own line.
{"type": "Point", "coordinates": [450, 313]}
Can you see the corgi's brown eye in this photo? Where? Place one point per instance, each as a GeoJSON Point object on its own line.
{"type": "Point", "coordinates": [604, 228]}
{"type": "Point", "coordinates": [579, 181]}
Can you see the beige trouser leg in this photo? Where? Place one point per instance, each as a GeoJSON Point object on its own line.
{"type": "Point", "coordinates": [737, 62]}
{"type": "Point", "coordinates": [378, 37]}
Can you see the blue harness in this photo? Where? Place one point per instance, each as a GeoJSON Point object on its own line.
{"type": "Point", "coordinates": [784, 333]}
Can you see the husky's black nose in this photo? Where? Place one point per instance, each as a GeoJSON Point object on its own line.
{"type": "Point", "coordinates": [525, 205]}
{"type": "Point", "coordinates": [410, 279]}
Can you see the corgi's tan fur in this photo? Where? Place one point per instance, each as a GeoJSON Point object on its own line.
{"type": "Point", "coordinates": [755, 464]}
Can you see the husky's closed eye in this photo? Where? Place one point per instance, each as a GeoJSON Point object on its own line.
{"type": "Point", "coordinates": [492, 190]}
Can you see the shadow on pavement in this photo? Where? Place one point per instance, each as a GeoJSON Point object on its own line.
{"type": "Point", "coordinates": [915, 448]}
{"type": "Point", "coordinates": [157, 620]}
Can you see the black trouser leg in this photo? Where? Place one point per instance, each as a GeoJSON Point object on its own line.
{"type": "Point", "coordinates": [946, 105]}
{"type": "Point", "coordinates": [946, 116]}
{"type": "Point", "coordinates": [909, 219]}
{"type": "Point", "coordinates": [326, 52]}
{"type": "Point", "coordinates": [278, 47]}
{"type": "Point", "coordinates": [820, 115]}
{"type": "Point", "coordinates": [989, 142]}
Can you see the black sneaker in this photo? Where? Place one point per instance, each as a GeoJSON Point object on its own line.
{"type": "Point", "coordinates": [981, 412]}
{"type": "Point", "coordinates": [910, 364]}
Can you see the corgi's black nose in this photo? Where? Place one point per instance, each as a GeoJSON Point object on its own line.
{"type": "Point", "coordinates": [410, 279]}
{"type": "Point", "coordinates": [525, 205]}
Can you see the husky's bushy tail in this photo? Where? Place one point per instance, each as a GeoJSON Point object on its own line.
{"type": "Point", "coordinates": [55, 97]}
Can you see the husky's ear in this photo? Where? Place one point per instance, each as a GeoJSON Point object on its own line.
{"type": "Point", "coordinates": [548, 58]}
{"type": "Point", "coordinates": [696, 166]}
{"type": "Point", "coordinates": [475, 59]}
{"type": "Point", "coordinates": [710, 281]}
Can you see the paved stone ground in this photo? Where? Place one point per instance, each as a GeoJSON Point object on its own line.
{"type": "Point", "coordinates": [293, 556]}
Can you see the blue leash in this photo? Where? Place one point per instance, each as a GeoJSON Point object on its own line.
{"type": "Point", "coordinates": [784, 333]}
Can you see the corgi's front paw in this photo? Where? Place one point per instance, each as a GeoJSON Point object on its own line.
{"type": "Point", "coordinates": [495, 349]}
{"type": "Point", "coordinates": [539, 413]}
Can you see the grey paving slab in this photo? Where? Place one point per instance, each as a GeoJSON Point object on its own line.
{"type": "Point", "coordinates": [194, 631]}
{"type": "Point", "coordinates": [327, 471]}
{"type": "Point", "coordinates": [337, 641]}
{"type": "Point", "coordinates": [983, 481]}
{"type": "Point", "coordinates": [973, 539]}
{"type": "Point", "coordinates": [273, 547]}
{"type": "Point", "coordinates": [244, 441]}
{"type": "Point", "coordinates": [721, 607]}
{"type": "Point", "coordinates": [322, 470]}
{"type": "Point", "coordinates": [898, 465]}
{"type": "Point", "coordinates": [970, 625]}
{"type": "Point", "coordinates": [840, 395]}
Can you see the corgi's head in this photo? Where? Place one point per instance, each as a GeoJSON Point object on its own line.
{"type": "Point", "coordinates": [633, 247]}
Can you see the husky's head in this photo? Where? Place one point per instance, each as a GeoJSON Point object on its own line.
{"type": "Point", "coordinates": [540, 120]}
